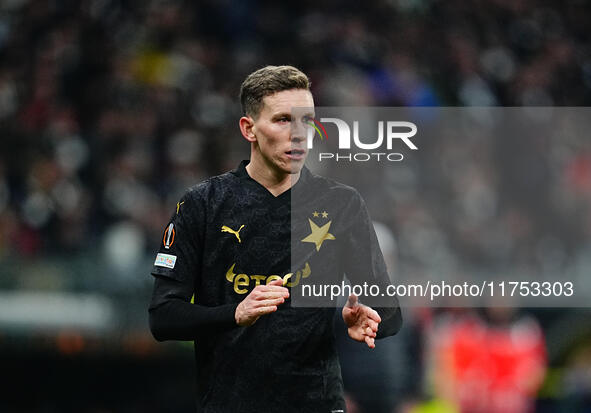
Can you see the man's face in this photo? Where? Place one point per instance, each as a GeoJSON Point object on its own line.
{"type": "Point", "coordinates": [281, 138]}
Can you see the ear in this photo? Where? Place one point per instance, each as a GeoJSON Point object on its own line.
{"type": "Point", "coordinates": [246, 127]}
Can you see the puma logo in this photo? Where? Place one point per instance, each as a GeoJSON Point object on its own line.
{"type": "Point", "coordinates": [178, 206]}
{"type": "Point", "coordinates": [231, 231]}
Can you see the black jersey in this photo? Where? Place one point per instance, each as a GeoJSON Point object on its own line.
{"type": "Point", "coordinates": [230, 234]}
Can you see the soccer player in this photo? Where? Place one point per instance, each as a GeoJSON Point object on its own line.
{"type": "Point", "coordinates": [225, 269]}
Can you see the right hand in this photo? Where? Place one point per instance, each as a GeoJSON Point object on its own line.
{"type": "Point", "coordinates": [263, 299]}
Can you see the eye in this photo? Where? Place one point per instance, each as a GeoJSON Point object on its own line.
{"type": "Point", "coordinates": [308, 120]}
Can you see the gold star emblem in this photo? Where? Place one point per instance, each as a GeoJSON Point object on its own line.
{"type": "Point", "coordinates": [324, 214]}
{"type": "Point", "coordinates": [319, 234]}
{"type": "Point", "coordinates": [315, 214]}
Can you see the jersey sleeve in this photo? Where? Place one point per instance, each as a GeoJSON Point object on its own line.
{"type": "Point", "coordinates": [364, 263]}
{"type": "Point", "coordinates": [176, 270]}
{"type": "Point", "coordinates": [179, 254]}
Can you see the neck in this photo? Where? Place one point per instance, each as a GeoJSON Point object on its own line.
{"type": "Point", "coordinates": [275, 181]}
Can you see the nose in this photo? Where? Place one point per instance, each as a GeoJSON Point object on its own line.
{"type": "Point", "coordinates": [297, 138]}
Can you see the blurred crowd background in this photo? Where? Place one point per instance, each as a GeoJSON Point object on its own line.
{"type": "Point", "coordinates": [110, 109]}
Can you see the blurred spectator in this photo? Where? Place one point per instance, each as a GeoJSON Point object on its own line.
{"type": "Point", "coordinates": [488, 364]}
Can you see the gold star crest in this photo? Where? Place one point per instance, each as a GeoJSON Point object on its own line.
{"type": "Point", "coordinates": [319, 234]}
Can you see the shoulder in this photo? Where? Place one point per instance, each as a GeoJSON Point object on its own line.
{"type": "Point", "coordinates": [210, 192]}
{"type": "Point", "coordinates": [204, 190]}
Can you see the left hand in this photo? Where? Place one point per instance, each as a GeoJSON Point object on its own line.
{"type": "Point", "coordinates": [362, 321]}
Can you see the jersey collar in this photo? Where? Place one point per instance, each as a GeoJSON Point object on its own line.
{"type": "Point", "coordinates": [241, 173]}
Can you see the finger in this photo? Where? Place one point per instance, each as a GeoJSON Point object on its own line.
{"type": "Point", "coordinates": [269, 295]}
{"type": "Point", "coordinates": [356, 335]}
{"type": "Point", "coordinates": [278, 282]}
{"type": "Point", "coordinates": [373, 314]}
{"type": "Point", "coordinates": [274, 288]}
{"type": "Point", "coordinates": [372, 325]}
{"type": "Point", "coordinates": [370, 342]}
{"type": "Point", "coordinates": [352, 301]}
{"type": "Point", "coordinates": [269, 303]}
{"type": "Point", "coordinates": [271, 288]}
{"type": "Point", "coordinates": [369, 332]}
{"type": "Point", "coordinates": [264, 310]}
{"type": "Point", "coordinates": [351, 310]}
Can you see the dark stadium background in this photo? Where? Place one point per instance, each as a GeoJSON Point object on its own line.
{"type": "Point", "coordinates": [110, 109]}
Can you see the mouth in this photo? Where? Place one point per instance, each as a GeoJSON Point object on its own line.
{"type": "Point", "coordinates": [296, 154]}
